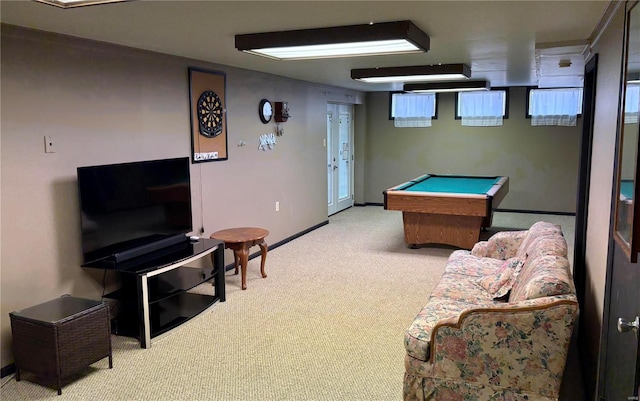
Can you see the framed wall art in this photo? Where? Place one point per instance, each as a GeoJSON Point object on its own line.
{"type": "Point", "coordinates": [207, 90]}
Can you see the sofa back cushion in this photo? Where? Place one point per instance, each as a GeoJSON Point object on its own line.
{"type": "Point", "coordinates": [538, 230]}
{"type": "Point", "coordinates": [542, 276]}
{"type": "Point", "coordinates": [547, 244]}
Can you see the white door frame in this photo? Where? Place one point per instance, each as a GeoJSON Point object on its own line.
{"type": "Point", "coordinates": [340, 157]}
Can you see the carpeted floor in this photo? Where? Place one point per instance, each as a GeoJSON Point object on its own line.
{"type": "Point", "coordinates": [327, 323]}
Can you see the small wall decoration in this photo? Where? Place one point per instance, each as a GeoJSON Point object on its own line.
{"type": "Point", "coordinates": [267, 142]}
{"type": "Point", "coordinates": [282, 112]}
{"type": "Point", "coordinates": [208, 115]}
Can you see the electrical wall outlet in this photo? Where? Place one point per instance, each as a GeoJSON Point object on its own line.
{"type": "Point", "coordinates": [49, 147]}
{"type": "Point", "coordinates": [277, 206]}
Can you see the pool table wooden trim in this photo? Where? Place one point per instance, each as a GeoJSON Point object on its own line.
{"type": "Point", "coordinates": [445, 218]}
{"type": "Point", "coordinates": [434, 202]}
{"type": "Point", "coordinates": [431, 228]}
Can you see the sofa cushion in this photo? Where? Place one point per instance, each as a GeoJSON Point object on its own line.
{"type": "Point", "coordinates": [548, 244]}
{"type": "Point", "coordinates": [463, 262]}
{"type": "Point", "coordinates": [543, 276]}
{"type": "Point", "coordinates": [499, 283]}
{"type": "Point", "coordinates": [460, 287]}
{"type": "Point", "coordinates": [502, 245]}
{"type": "Point", "coordinates": [537, 230]}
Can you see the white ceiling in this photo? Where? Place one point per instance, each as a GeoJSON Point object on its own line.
{"type": "Point", "coordinates": [497, 39]}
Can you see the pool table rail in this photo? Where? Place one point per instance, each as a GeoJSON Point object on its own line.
{"type": "Point", "coordinates": [498, 191]}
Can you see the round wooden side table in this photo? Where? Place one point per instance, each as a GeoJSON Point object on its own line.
{"type": "Point", "coordinates": [240, 239]}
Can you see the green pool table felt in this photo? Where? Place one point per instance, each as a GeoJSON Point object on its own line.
{"type": "Point", "coordinates": [456, 185]}
{"type": "Point", "coordinates": [626, 188]}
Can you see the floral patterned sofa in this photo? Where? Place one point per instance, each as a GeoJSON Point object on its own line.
{"type": "Point", "coordinates": [498, 324]}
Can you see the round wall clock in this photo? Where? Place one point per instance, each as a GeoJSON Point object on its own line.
{"type": "Point", "coordinates": [210, 114]}
{"type": "Point", "coordinates": [265, 111]}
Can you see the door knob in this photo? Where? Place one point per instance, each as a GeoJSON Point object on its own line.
{"type": "Point", "coordinates": [624, 325]}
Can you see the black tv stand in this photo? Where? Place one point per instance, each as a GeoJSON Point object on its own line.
{"type": "Point", "coordinates": [157, 294]}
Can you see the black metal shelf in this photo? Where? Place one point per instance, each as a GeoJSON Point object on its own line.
{"type": "Point", "coordinates": [155, 293]}
{"type": "Point", "coordinates": [176, 281]}
{"type": "Point", "coordinates": [173, 311]}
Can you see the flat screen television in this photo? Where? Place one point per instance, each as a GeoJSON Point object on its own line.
{"type": "Point", "coordinates": [132, 206]}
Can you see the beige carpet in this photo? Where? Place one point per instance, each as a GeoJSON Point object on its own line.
{"type": "Point", "coordinates": [327, 324]}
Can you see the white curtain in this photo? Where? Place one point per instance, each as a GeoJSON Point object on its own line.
{"type": "Point", "coordinates": [413, 109]}
{"type": "Point", "coordinates": [555, 106]}
{"type": "Point", "coordinates": [632, 104]}
{"type": "Point", "coordinates": [481, 109]}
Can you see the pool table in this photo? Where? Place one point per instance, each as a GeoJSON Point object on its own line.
{"type": "Point", "coordinates": [626, 190]}
{"type": "Point", "coordinates": [625, 207]}
{"type": "Point", "coordinates": [446, 209]}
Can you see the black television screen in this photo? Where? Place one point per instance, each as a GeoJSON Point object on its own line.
{"type": "Point", "coordinates": [129, 205]}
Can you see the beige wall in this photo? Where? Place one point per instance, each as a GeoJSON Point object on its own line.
{"type": "Point", "coordinates": [541, 162]}
{"type": "Point", "coordinates": [608, 46]}
{"type": "Point", "coordinates": [109, 104]}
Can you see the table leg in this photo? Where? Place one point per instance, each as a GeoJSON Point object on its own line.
{"type": "Point", "coordinates": [243, 254]}
{"type": "Point", "coordinates": [263, 258]}
{"type": "Point", "coordinates": [237, 260]}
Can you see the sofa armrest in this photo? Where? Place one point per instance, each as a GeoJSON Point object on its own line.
{"type": "Point", "coordinates": [502, 245]}
{"type": "Point", "coordinates": [521, 346]}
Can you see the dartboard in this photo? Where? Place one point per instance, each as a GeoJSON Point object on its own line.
{"type": "Point", "coordinates": [210, 114]}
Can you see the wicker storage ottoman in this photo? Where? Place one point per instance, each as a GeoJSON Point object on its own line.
{"type": "Point", "coordinates": [60, 338]}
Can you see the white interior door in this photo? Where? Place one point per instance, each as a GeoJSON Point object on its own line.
{"type": "Point", "coordinates": [339, 157]}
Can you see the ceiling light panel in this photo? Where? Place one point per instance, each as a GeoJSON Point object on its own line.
{"type": "Point", "coordinates": [399, 37]}
{"type": "Point", "coordinates": [460, 86]}
{"type": "Point", "coordinates": [338, 50]}
{"type": "Point", "coordinates": [418, 73]}
{"type": "Point", "coordinates": [78, 3]}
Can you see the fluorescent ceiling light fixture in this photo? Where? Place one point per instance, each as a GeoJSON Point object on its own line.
{"type": "Point", "coordinates": [398, 37]}
{"type": "Point", "coordinates": [78, 3]}
{"type": "Point", "coordinates": [461, 86]}
{"type": "Point", "coordinates": [416, 73]}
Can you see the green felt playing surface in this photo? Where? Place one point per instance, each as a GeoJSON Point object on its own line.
{"type": "Point", "coordinates": [626, 188]}
{"type": "Point", "coordinates": [456, 185]}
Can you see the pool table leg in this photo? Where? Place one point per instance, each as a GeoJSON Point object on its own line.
{"type": "Point", "coordinates": [488, 219]}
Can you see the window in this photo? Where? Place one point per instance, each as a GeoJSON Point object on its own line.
{"type": "Point", "coordinates": [554, 106]}
{"type": "Point", "coordinates": [482, 108]}
{"type": "Point", "coordinates": [632, 103]}
{"type": "Point", "coordinates": [412, 109]}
